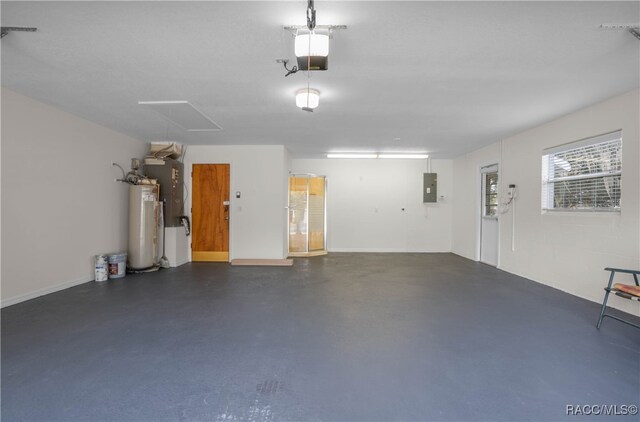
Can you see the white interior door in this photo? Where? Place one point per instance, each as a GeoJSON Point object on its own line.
{"type": "Point", "coordinates": [489, 215]}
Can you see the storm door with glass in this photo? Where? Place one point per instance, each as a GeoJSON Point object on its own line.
{"type": "Point", "coordinates": [307, 215]}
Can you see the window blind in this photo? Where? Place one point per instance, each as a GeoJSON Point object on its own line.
{"type": "Point", "coordinates": [584, 175]}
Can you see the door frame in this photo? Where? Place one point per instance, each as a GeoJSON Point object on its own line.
{"type": "Point", "coordinates": [479, 206]}
{"type": "Point", "coordinates": [231, 204]}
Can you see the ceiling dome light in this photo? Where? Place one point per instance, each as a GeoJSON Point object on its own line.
{"type": "Point", "coordinates": [312, 51]}
{"type": "Point", "coordinates": [308, 98]}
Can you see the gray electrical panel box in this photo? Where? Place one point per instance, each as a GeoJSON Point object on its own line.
{"type": "Point", "coordinates": [170, 175]}
{"type": "Point", "coordinates": [430, 187]}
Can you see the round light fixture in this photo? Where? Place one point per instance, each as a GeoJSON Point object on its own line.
{"type": "Point", "coordinates": [308, 98]}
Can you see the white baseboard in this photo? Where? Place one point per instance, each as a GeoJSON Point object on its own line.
{"type": "Point", "coordinates": [610, 304]}
{"type": "Point", "coordinates": [45, 291]}
{"type": "Point", "coordinates": [366, 250]}
{"type": "Point", "coordinates": [177, 264]}
{"type": "Point", "coordinates": [263, 262]}
{"type": "Point", "coordinates": [379, 250]}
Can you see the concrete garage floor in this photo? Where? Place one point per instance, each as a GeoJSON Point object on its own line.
{"type": "Point", "coordinates": [342, 337]}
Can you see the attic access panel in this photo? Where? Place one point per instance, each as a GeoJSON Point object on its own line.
{"type": "Point", "coordinates": [184, 115]}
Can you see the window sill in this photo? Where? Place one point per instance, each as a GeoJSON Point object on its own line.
{"type": "Point", "coordinates": [580, 212]}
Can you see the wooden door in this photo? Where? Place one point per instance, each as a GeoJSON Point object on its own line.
{"type": "Point", "coordinates": [210, 185]}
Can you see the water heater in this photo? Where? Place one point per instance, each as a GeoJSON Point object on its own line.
{"type": "Point", "coordinates": [143, 226]}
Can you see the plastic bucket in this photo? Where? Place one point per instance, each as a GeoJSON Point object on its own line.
{"type": "Point", "coordinates": [117, 265]}
{"type": "Point", "coordinates": [101, 269]}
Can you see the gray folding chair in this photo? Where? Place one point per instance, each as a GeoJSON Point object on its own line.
{"type": "Point", "coordinates": [626, 291]}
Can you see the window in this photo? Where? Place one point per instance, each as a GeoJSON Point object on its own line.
{"type": "Point", "coordinates": [583, 175]}
{"type": "Point", "coordinates": [489, 191]}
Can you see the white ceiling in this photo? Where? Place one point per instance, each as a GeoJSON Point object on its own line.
{"type": "Point", "coordinates": [444, 77]}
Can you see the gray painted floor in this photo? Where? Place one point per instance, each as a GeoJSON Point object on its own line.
{"type": "Point", "coordinates": [343, 337]}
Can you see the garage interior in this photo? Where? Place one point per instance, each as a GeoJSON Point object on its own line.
{"type": "Point", "coordinates": [410, 224]}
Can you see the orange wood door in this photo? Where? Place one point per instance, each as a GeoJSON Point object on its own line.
{"type": "Point", "coordinates": [210, 185]}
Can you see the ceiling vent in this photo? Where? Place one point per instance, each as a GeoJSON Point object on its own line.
{"type": "Point", "coordinates": [184, 115]}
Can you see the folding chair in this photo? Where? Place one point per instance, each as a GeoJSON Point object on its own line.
{"type": "Point", "coordinates": [626, 291]}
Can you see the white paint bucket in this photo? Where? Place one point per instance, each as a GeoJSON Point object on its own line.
{"type": "Point", "coordinates": [117, 265]}
{"type": "Point", "coordinates": [102, 270]}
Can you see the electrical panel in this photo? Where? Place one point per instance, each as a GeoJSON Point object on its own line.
{"type": "Point", "coordinates": [170, 176]}
{"type": "Point", "coordinates": [430, 187]}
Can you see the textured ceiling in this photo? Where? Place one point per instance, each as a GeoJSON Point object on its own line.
{"type": "Point", "coordinates": [444, 77]}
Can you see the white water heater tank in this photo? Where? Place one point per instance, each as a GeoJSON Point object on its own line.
{"type": "Point", "coordinates": [143, 226]}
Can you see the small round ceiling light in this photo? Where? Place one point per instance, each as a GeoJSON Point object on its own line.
{"type": "Point", "coordinates": [307, 98]}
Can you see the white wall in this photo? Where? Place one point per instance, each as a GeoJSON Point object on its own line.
{"type": "Point", "coordinates": [565, 250]}
{"type": "Point", "coordinates": [365, 200]}
{"type": "Point", "coordinates": [258, 217]}
{"type": "Point", "coordinates": [60, 204]}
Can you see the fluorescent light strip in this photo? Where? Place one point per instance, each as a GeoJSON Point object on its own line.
{"type": "Point", "coordinates": [352, 155]}
{"type": "Point", "coordinates": [397, 156]}
{"type": "Point", "coordinates": [417, 156]}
